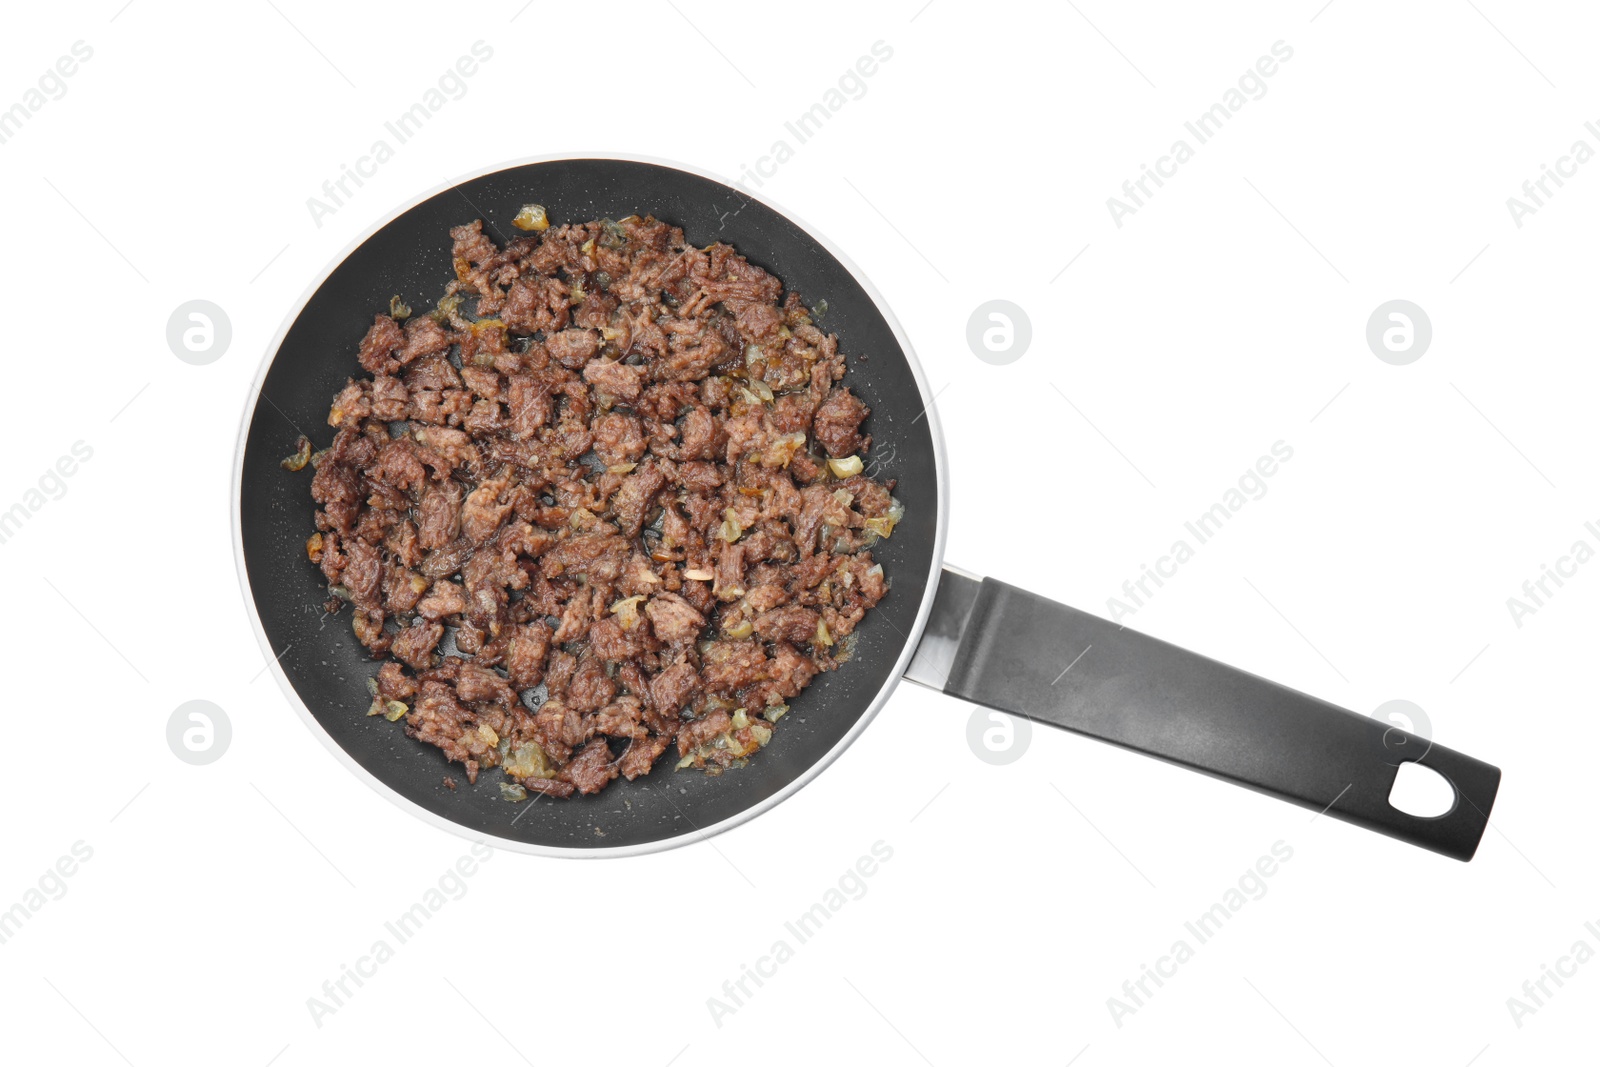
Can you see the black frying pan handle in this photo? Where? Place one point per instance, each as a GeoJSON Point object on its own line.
{"type": "Point", "coordinates": [1005, 648]}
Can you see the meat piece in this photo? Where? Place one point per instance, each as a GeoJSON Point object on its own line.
{"type": "Point", "coordinates": [673, 687]}
{"type": "Point", "coordinates": [433, 373]}
{"type": "Point", "coordinates": [338, 489]}
{"type": "Point", "coordinates": [424, 337]}
{"type": "Point", "coordinates": [642, 755]}
{"type": "Point", "coordinates": [730, 572]}
{"type": "Point", "coordinates": [621, 718]}
{"type": "Point", "coordinates": [612, 640]}
{"type": "Point", "coordinates": [483, 511]}
{"type": "Point", "coordinates": [730, 665]}
{"type": "Point", "coordinates": [363, 574]}
{"type": "Point", "coordinates": [618, 438]}
{"type": "Point", "coordinates": [591, 770]}
{"type": "Point", "coordinates": [399, 466]}
{"type": "Point", "coordinates": [353, 404]}
{"type": "Point", "coordinates": [534, 304]}
{"type": "Point", "coordinates": [690, 361]}
{"type": "Point", "coordinates": [439, 515]}
{"type": "Point", "coordinates": [790, 671]}
{"type": "Point", "coordinates": [439, 719]}
{"type": "Point", "coordinates": [394, 683]}
{"type": "Point", "coordinates": [531, 405]}
{"type": "Point", "coordinates": [795, 624]}
{"type": "Point", "coordinates": [402, 587]}
{"type": "Point", "coordinates": [453, 447]}
{"type": "Point", "coordinates": [614, 378]}
{"type": "Point", "coordinates": [674, 619]}
{"type": "Point", "coordinates": [837, 421]}
{"type": "Point", "coordinates": [444, 599]}
{"type": "Point", "coordinates": [577, 617]}
{"type": "Point", "coordinates": [526, 652]}
{"type": "Point", "coordinates": [697, 435]}
{"type": "Point", "coordinates": [572, 348]}
{"type": "Point", "coordinates": [475, 683]}
{"type": "Point", "coordinates": [558, 672]}
{"type": "Point", "coordinates": [447, 559]}
{"type": "Point", "coordinates": [483, 381]}
{"type": "Point", "coordinates": [377, 347]}
{"type": "Point", "coordinates": [558, 729]}
{"type": "Point", "coordinates": [766, 596]}
{"type": "Point", "coordinates": [758, 322]}
{"type": "Point", "coordinates": [597, 557]}
{"type": "Point", "coordinates": [388, 398]}
{"type": "Point", "coordinates": [591, 687]}
{"type": "Point", "coordinates": [816, 502]}
{"type": "Point", "coordinates": [633, 499]}
{"type": "Point", "coordinates": [699, 477]}
{"type": "Point", "coordinates": [694, 734]}
{"type": "Point", "coordinates": [414, 645]}
{"type": "Point", "coordinates": [553, 787]}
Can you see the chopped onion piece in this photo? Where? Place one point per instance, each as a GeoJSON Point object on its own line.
{"type": "Point", "coordinates": [844, 468]}
{"type": "Point", "coordinates": [527, 760]}
{"type": "Point", "coordinates": [531, 217]}
{"type": "Point", "coordinates": [447, 309]}
{"type": "Point", "coordinates": [698, 575]}
{"type": "Point", "coordinates": [627, 611]}
{"type": "Point", "coordinates": [512, 792]}
{"type": "Point", "coordinates": [366, 631]}
{"type": "Point", "coordinates": [302, 456]}
{"type": "Point", "coordinates": [397, 710]}
{"type": "Point", "coordinates": [782, 450]}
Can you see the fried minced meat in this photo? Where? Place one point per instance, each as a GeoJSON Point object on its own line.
{"type": "Point", "coordinates": [619, 510]}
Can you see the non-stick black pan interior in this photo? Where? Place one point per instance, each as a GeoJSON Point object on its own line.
{"type": "Point", "coordinates": [410, 257]}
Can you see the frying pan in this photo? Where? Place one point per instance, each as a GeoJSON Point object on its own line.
{"type": "Point", "coordinates": [977, 639]}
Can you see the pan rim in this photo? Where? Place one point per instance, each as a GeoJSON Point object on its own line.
{"type": "Point", "coordinates": [252, 401]}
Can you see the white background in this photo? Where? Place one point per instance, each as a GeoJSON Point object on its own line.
{"type": "Point", "coordinates": [1227, 314]}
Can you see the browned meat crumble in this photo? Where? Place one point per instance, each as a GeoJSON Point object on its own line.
{"type": "Point", "coordinates": [619, 509]}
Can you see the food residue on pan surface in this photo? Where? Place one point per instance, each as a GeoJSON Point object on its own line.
{"type": "Point", "coordinates": [618, 508]}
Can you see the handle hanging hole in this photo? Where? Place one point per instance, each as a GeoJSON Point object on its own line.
{"type": "Point", "coordinates": [1422, 791]}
